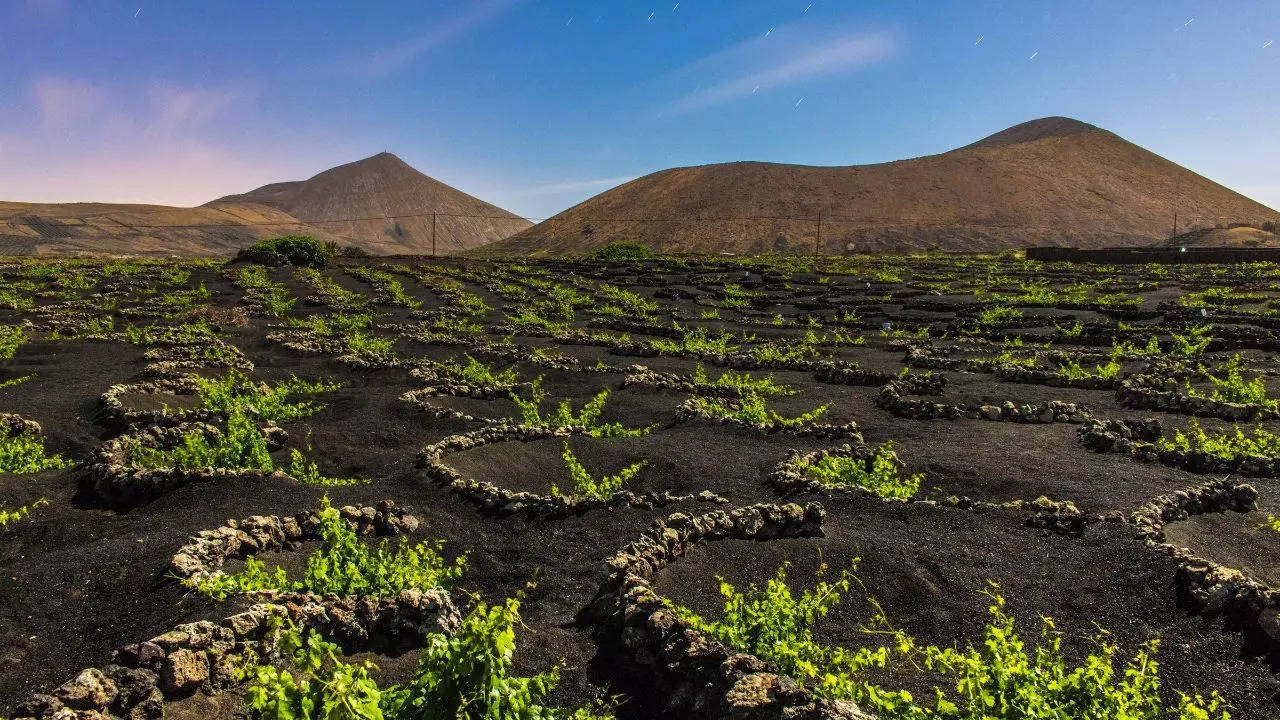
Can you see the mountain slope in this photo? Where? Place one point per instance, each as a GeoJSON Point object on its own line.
{"type": "Point", "coordinates": [392, 204]}
{"type": "Point", "coordinates": [1053, 181]}
{"type": "Point", "coordinates": [1238, 236]}
{"type": "Point", "coordinates": [156, 230]}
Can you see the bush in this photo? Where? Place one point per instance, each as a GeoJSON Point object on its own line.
{"type": "Point", "coordinates": [236, 392]}
{"type": "Point", "coordinates": [1002, 678]}
{"type": "Point", "coordinates": [241, 447]}
{"type": "Point", "coordinates": [24, 454]}
{"type": "Point", "coordinates": [564, 416]}
{"type": "Point", "coordinates": [1233, 388]}
{"type": "Point", "coordinates": [584, 485]}
{"type": "Point", "coordinates": [346, 566]}
{"type": "Point", "coordinates": [464, 676]}
{"type": "Point", "coordinates": [1224, 444]}
{"type": "Point", "coordinates": [8, 517]}
{"type": "Point", "coordinates": [617, 251]}
{"type": "Point", "coordinates": [299, 250]}
{"type": "Point", "coordinates": [751, 410]}
{"type": "Point", "coordinates": [11, 338]}
{"type": "Point", "coordinates": [878, 474]}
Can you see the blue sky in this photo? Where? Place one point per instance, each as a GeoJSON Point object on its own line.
{"type": "Point", "coordinates": [536, 105]}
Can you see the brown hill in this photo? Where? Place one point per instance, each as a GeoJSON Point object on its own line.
{"type": "Point", "coordinates": [157, 230]}
{"type": "Point", "coordinates": [1053, 181]}
{"type": "Point", "coordinates": [1232, 236]}
{"type": "Point", "coordinates": [392, 203]}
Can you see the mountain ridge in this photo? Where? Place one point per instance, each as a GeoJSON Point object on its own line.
{"type": "Point", "coordinates": [369, 190]}
{"type": "Point", "coordinates": [1049, 181]}
{"type": "Point", "coordinates": [387, 205]}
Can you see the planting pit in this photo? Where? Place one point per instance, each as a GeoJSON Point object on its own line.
{"type": "Point", "coordinates": [929, 566]}
{"type": "Point", "coordinates": [1086, 532]}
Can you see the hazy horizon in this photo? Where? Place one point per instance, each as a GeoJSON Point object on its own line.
{"type": "Point", "coordinates": [537, 106]}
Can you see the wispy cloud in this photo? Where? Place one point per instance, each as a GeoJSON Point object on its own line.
{"type": "Point", "coordinates": [177, 106]}
{"type": "Point", "coordinates": [571, 186]}
{"type": "Point", "coordinates": [789, 56]}
{"type": "Point", "coordinates": [161, 143]}
{"type": "Point", "coordinates": [62, 102]}
{"type": "Point", "coordinates": [388, 61]}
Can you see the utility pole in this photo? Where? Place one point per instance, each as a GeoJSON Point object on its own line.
{"type": "Point", "coordinates": [1175, 223]}
{"type": "Point", "coordinates": [433, 234]}
{"type": "Point", "coordinates": [817, 243]}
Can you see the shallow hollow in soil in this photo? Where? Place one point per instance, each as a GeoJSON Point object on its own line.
{"type": "Point", "coordinates": [684, 459]}
{"type": "Point", "coordinates": [928, 567]}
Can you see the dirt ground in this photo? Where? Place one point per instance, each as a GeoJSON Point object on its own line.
{"type": "Point", "coordinates": [82, 577]}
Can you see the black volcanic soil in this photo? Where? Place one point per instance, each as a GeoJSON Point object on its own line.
{"type": "Point", "coordinates": [80, 580]}
{"type": "Point", "coordinates": [930, 566]}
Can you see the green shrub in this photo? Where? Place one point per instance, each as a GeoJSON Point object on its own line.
{"type": "Point", "coordinates": [11, 338]}
{"type": "Point", "coordinates": [1232, 387]}
{"type": "Point", "coordinates": [588, 487]}
{"type": "Point", "coordinates": [240, 447]}
{"type": "Point", "coordinates": [1222, 444]}
{"type": "Point", "coordinates": [274, 297]}
{"type": "Point", "coordinates": [1000, 679]}
{"type": "Point", "coordinates": [24, 454]}
{"type": "Point", "coordinates": [886, 275]}
{"type": "Point", "coordinates": [308, 473]}
{"type": "Point", "coordinates": [387, 283]}
{"type": "Point", "coordinates": [777, 627]}
{"type": "Point", "coordinates": [330, 292]}
{"type": "Point", "coordinates": [1121, 348]}
{"type": "Point", "coordinates": [346, 566]}
{"type": "Point", "coordinates": [15, 381]}
{"type": "Point", "coordinates": [735, 297]}
{"type": "Point", "coordinates": [998, 315]}
{"type": "Point", "coordinates": [297, 250]}
{"type": "Point", "coordinates": [13, 301]}
{"type": "Point", "coordinates": [741, 383]}
{"type": "Point", "coordinates": [695, 341]}
{"type": "Point", "coordinates": [463, 676]}
{"type": "Point", "coordinates": [369, 345]}
{"type": "Point", "coordinates": [475, 372]}
{"type": "Point", "coordinates": [277, 302]}
{"type": "Point", "coordinates": [9, 517]}
{"type": "Point", "coordinates": [790, 351]}
{"type": "Point", "coordinates": [588, 416]}
{"type": "Point", "coordinates": [332, 324]}
{"type": "Point", "coordinates": [237, 392]}
{"type": "Point", "coordinates": [628, 302]}
{"type": "Point", "coordinates": [878, 474]}
{"type": "Point", "coordinates": [1193, 342]}
{"type": "Point", "coordinates": [1070, 369]}
{"type": "Point", "coordinates": [752, 411]}
{"type": "Point", "coordinates": [531, 318]}
{"type": "Point", "coordinates": [1073, 331]}
{"type": "Point", "coordinates": [620, 251]}
{"type": "Point", "coordinates": [318, 686]}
